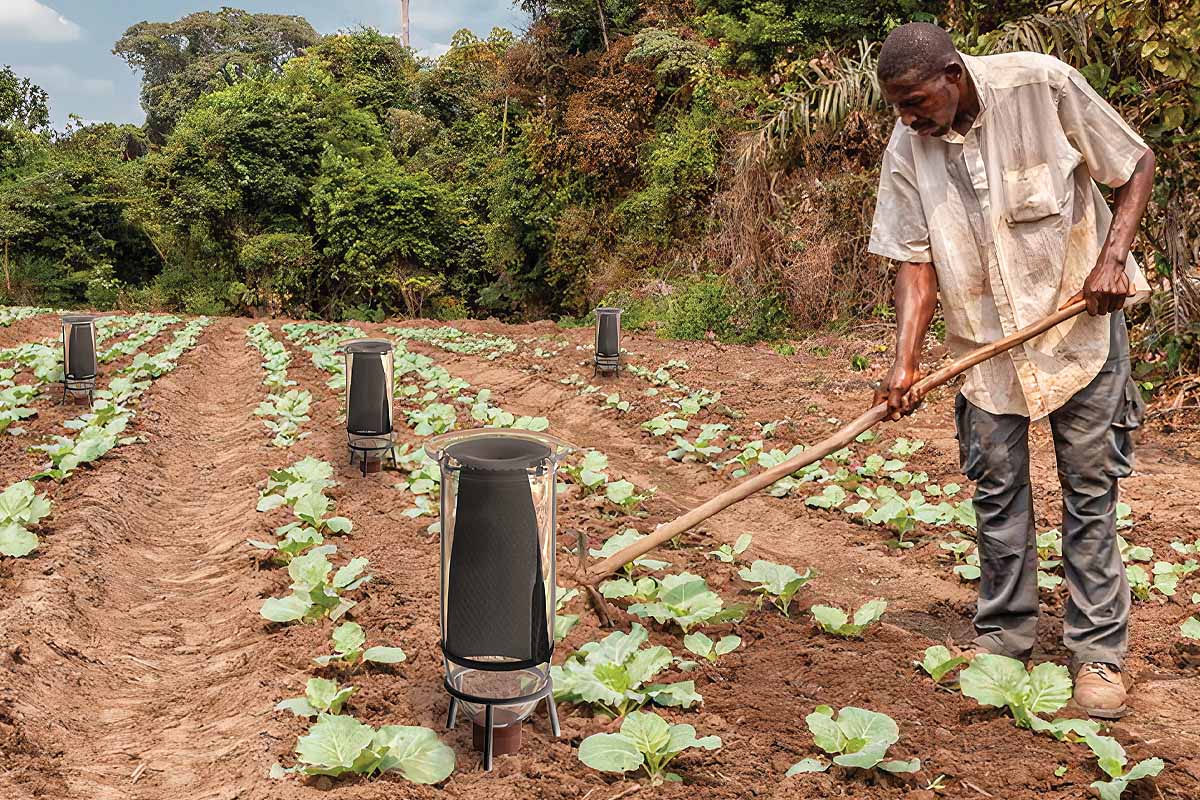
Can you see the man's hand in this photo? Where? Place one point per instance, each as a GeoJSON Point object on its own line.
{"type": "Point", "coordinates": [895, 390]}
{"type": "Point", "coordinates": [1106, 289]}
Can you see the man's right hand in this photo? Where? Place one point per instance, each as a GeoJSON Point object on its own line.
{"type": "Point", "coordinates": [894, 390]}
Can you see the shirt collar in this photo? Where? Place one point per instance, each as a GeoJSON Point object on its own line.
{"type": "Point", "coordinates": [975, 69]}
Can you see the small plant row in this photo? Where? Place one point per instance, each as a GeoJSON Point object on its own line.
{"type": "Point", "coordinates": [148, 327]}
{"type": "Point", "coordinates": [320, 340]}
{"type": "Point", "coordinates": [336, 744]}
{"type": "Point", "coordinates": [458, 341]}
{"type": "Point", "coordinates": [1001, 682]}
{"type": "Point", "coordinates": [11, 314]}
{"type": "Point", "coordinates": [43, 359]}
{"type": "Point", "coordinates": [98, 431]}
{"type": "Point", "coordinates": [284, 409]}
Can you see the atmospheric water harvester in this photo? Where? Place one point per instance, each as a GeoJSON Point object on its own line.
{"type": "Point", "coordinates": [369, 387]}
{"type": "Point", "coordinates": [608, 340]}
{"type": "Point", "coordinates": [498, 523]}
{"type": "Point", "coordinates": [79, 355]}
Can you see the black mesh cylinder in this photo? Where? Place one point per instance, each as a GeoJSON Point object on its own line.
{"type": "Point", "coordinates": [498, 591]}
{"type": "Point", "coordinates": [608, 332]}
{"type": "Point", "coordinates": [368, 387]}
{"type": "Point", "coordinates": [79, 347]}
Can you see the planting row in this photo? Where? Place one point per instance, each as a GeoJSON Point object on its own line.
{"type": "Point", "coordinates": [97, 431]}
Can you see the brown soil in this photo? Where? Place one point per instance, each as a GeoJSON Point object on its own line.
{"type": "Point", "coordinates": [135, 664]}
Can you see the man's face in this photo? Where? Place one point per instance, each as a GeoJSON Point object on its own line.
{"type": "Point", "coordinates": [927, 106]}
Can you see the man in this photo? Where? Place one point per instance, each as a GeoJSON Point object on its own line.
{"type": "Point", "coordinates": [987, 200]}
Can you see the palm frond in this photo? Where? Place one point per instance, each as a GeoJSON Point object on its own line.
{"type": "Point", "coordinates": [1065, 36]}
{"type": "Point", "coordinates": [837, 87]}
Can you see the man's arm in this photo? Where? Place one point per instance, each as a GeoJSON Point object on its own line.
{"type": "Point", "coordinates": [916, 299]}
{"type": "Point", "coordinates": [1107, 286]}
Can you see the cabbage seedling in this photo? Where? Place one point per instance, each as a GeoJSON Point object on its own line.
{"type": "Point", "coordinates": [348, 640]}
{"type": "Point", "coordinates": [21, 508]}
{"type": "Point", "coordinates": [314, 593]}
{"type": "Point", "coordinates": [624, 494]}
{"type": "Point", "coordinates": [647, 741]}
{"type": "Point", "coordinates": [296, 539]}
{"type": "Point", "coordinates": [939, 663]}
{"type": "Point", "coordinates": [614, 401]}
{"type": "Point", "coordinates": [780, 582]}
{"type": "Point", "coordinates": [1112, 760]}
{"type": "Point", "coordinates": [686, 600]}
{"type": "Point", "coordinates": [320, 697]}
{"type": "Point", "coordinates": [706, 648]}
{"type": "Point", "coordinates": [836, 621]}
{"type": "Point", "coordinates": [339, 744]}
{"type": "Point", "coordinates": [589, 473]}
{"type": "Point", "coordinates": [610, 674]}
{"type": "Point", "coordinates": [1190, 628]}
{"type": "Point", "coordinates": [618, 542]}
{"type": "Point", "coordinates": [665, 423]}
{"type": "Point", "coordinates": [1003, 682]}
{"type": "Point", "coordinates": [857, 738]}
{"type": "Point", "coordinates": [564, 622]}
{"type": "Point", "coordinates": [728, 554]}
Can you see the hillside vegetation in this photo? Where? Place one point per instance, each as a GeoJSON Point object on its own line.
{"type": "Point", "coordinates": [709, 164]}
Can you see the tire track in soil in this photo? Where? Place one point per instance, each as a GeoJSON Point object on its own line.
{"type": "Point", "coordinates": [136, 631]}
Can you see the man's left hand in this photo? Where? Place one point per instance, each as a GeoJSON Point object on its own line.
{"type": "Point", "coordinates": [1106, 289]}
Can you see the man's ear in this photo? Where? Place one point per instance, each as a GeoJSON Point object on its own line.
{"type": "Point", "coordinates": [954, 72]}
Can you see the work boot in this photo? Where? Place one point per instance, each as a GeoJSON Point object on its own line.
{"type": "Point", "coordinates": [1099, 691]}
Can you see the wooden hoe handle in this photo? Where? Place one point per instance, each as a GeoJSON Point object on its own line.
{"type": "Point", "coordinates": [832, 444]}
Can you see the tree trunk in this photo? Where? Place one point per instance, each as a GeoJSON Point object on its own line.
{"type": "Point", "coordinates": [7, 279]}
{"type": "Point", "coordinates": [603, 24]}
{"type": "Point", "coordinates": [404, 40]}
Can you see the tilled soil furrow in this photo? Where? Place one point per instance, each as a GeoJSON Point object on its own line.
{"type": "Point", "coordinates": [167, 641]}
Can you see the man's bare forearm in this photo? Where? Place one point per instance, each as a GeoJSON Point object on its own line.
{"type": "Point", "coordinates": [1129, 206]}
{"type": "Point", "coordinates": [916, 299]}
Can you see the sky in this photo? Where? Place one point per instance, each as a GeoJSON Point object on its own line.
{"type": "Point", "coordinates": [65, 46]}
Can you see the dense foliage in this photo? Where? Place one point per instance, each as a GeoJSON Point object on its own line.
{"type": "Point", "coordinates": [710, 164]}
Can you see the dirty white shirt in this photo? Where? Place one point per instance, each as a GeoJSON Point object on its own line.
{"type": "Point", "coordinates": [1012, 219]}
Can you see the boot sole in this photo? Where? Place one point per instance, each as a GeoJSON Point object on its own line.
{"type": "Point", "coordinates": [1106, 713]}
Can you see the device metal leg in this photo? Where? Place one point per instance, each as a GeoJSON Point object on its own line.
{"type": "Point", "coordinates": [487, 741]}
{"type": "Point", "coordinates": [553, 715]}
{"type": "Point", "coordinates": [452, 717]}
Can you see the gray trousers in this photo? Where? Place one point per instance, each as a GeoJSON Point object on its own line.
{"type": "Point", "coordinates": [1093, 448]}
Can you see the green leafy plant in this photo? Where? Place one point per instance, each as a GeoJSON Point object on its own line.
{"type": "Point", "coordinates": [728, 554]}
{"type": "Point", "coordinates": [339, 745]}
{"type": "Point", "coordinates": [21, 508]}
{"type": "Point", "coordinates": [646, 741]}
{"type": "Point", "coordinates": [315, 593]}
{"type": "Point", "coordinates": [618, 542]}
{"type": "Point", "coordinates": [703, 449]}
{"type": "Point", "coordinates": [348, 649]}
{"type": "Point", "coordinates": [614, 401]}
{"type": "Point", "coordinates": [1112, 760]}
{"type": "Point", "coordinates": [286, 486]}
{"type": "Point", "coordinates": [589, 472]}
{"type": "Point", "coordinates": [320, 697]}
{"type": "Point", "coordinates": [779, 582]}
{"type": "Point", "coordinates": [611, 675]}
{"type": "Point", "coordinates": [836, 621]}
{"type": "Point", "coordinates": [830, 497]}
{"type": "Point", "coordinates": [706, 648]}
{"type": "Point", "coordinates": [1190, 628]}
{"type": "Point", "coordinates": [665, 423]}
{"type": "Point", "coordinates": [294, 539]}
{"type": "Point", "coordinates": [1002, 682]}
{"type": "Point", "coordinates": [939, 663]}
{"type": "Point", "coordinates": [686, 600]}
{"type": "Point", "coordinates": [856, 738]}
{"type": "Point", "coordinates": [625, 495]}
{"type": "Point", "coordinates": [564, 622]}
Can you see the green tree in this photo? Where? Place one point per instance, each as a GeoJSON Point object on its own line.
{"type": "Point", "coordinates": [204, 51]}
{"type": "Point", "coordinates": [22, 102]}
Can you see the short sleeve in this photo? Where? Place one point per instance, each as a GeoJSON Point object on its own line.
{"type": "Point", "coordinates": [1110, 148]}
{"type": "Point", "coordinates": [899, 230]}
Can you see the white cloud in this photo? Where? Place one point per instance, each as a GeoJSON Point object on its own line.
{"type": "Point", "coordinates": [57, 78]}
{"type": "Point", "coordinates": [29, 20]}
{"type": "Point", "coordinates": [435, 50]}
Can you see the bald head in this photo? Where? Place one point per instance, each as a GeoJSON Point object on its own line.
{"type": "Point", "coordinates": [915, 52]}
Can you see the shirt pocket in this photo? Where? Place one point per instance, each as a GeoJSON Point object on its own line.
{"type": "Point", "coordinates": [1030, 194]}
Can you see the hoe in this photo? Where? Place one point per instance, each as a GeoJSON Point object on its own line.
{"type": "Point", "coordinates": [833, 443]}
